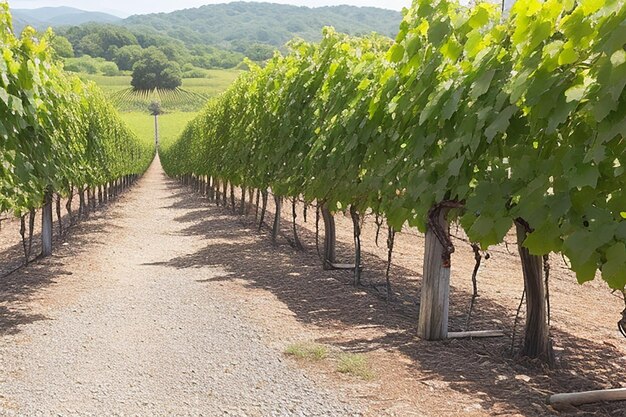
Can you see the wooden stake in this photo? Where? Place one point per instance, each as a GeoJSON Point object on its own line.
{"type": "Point", "coordinates": [476, 333]}
{"type": "Point", "coordinates": [435, 296]}
{"type": "Point", "coordinates": [46, 224]}
{"type": "Point", "coordinates": [586, 397]}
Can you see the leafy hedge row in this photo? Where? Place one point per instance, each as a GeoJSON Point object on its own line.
{"type": "Point", "coordinates": [514, 118]}
{"type": "Point", "coordinates": [55, 130]}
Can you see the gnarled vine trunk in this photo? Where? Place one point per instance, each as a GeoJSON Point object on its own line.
{"type": "Point", "coordinates": [537, 343]}
{"type": "Point", "coordinates": [330, 239]}
{"type": "Point", "coordinates": [278, 201]}
{"type": "Point", "coordinates": [263, 208]}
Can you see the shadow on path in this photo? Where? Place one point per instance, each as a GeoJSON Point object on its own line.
{"type": "Point", "coordinates": [20, 285]}
{"type": "Point", "coordinates": [482, 368]}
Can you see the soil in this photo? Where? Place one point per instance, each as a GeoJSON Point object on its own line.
{"type": "Point", "coordinates": [164, 304]}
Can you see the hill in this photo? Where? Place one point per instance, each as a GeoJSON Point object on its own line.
{"type": "Point", "coordinates": [212, 36]}
{"type": "Point", "coordinates": [44, 17]}
{"type": "Point", "coordinates": [230, 25]}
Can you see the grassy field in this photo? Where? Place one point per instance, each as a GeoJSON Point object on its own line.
{"type": "Point", "coordinates": [134, 109]}
{"type": "Point", "coordinates": [170, 124]}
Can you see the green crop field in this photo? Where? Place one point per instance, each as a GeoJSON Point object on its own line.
{"type": "Point", "coordinates": [170, 124]}
{"type": "Point", "coordinates": [216, 82]}
{"type": "Point", "coordinates": [189, 98]}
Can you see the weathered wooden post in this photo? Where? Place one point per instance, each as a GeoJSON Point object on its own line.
{"type": "Point", "coordinates": [435, 295]}
{"type": "Point", "coordinates": [46, 224]}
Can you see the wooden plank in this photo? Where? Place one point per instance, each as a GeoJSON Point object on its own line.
{"type": "Point", "coordinates": [586, 397]}
{"type": "Point", "coordinates": [342, 266]}
{"type": "Point", "coordinates": [475, 333]}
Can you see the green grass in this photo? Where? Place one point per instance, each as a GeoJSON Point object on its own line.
{"type": "Point", "coordinates": [356, 365]}
{"type": "Point", "coordinates": [307, 351]}
{"type": "Point", "coordinates": [171, 125]}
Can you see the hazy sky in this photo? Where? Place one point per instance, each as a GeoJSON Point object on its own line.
{"type": "Point", "coordinates": [128, 7]}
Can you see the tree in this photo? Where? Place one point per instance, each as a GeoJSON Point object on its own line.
{"type": "Point", "coordinates": [109, 69]}
{"type": "Point", "coordinates": [154, 71]}
{"type": "Point", "coordinates": [62, 47]}
{"type": "Point", "coordinates": [126, 56]}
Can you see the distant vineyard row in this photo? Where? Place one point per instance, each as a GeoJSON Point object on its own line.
{"type": "Point", "coordinates": [57, 132]}
{"type": "Point", "coordinates": [58, 136]}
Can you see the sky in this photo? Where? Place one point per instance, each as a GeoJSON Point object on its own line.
{"type": "Point", "coordinates": [124, 8]}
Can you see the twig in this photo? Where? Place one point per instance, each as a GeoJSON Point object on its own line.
{"type": "Point", "coordinates": [391, 237]}
{"type": "Point", "coordinates": [478, 258]}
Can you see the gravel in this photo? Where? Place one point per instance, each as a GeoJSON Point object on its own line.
{"type": "Point", "coordinates": [142, 337]}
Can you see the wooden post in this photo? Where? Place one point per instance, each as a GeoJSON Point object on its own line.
{"type": "Point", "coordinates": [93, 199]}
{"type": "Point", "coordinates": [46, 224]}
{"type": "Point", "coordinates": [330, 239]}
{"type": "Point", "coordinates": [250, 200]}
{"type": "Point", "coordinates": [242, 208]}
{"type": "Point", "coordinates": [156, 132]}
{"type": "Point", "coordinates": [435, 295]}
{"type": "Point", "coordinates": [82, 211]}
{"type": "Point", "coordinates": [232, 197]}
{"type": "Point", "coordinates": [211, 190]}
{"type": "Point", "coordinates": [537, 343]}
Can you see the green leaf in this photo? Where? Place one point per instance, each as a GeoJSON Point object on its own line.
{"type": "Point", "coordinates": [585, 175]}
{"type": "Point", "coordinates": [396, 53]}
{"type": "Point", "coordinates": [568, 55]}
{"type": "Point", "coordinates": [481, 85]}
{"type": "Point", "coordinates": [501, 123]}
{"type": "Point", "coordinates": [585, 271]}
{"type": "Point", "coordinates": [544, 239]}
{"type": "Point", "coordinates": [575, 93]}
{"type": "Point", "coordinates": [591, 6]}
{"type": "Point", "coordinates": [614, 269]}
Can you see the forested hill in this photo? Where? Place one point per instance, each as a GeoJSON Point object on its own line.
{"type": "Point", "coordinates": [229, 25]}
{"type": "Point", "coordinates": [212, 36]}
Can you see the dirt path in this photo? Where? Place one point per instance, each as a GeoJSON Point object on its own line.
{"type": "Point", "coordinates": [108, 327]}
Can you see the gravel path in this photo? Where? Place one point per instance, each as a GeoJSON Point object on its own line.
{"type": "Point", "coordinates": [139, 337]}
